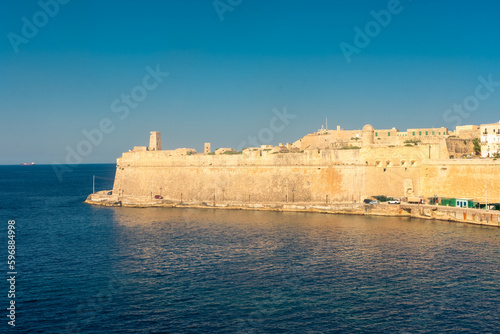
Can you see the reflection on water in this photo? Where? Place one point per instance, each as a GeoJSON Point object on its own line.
{"type": "Point", "coordinates": [254, 271]}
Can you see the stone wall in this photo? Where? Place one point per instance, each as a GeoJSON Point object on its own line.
{"type": "Point", "coordinates": [459, 146]}
{"type": "Point", "coordinates": [312, 176]}
{"type": "Point", "coordinates": [261, 184]}
{"type": "Point", "coordinates": [464, 178]}
{"type": "Point", "coordinates": [258, 176]}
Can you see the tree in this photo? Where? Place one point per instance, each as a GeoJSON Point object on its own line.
{"type": "Point", "coordinates": [477, 146]}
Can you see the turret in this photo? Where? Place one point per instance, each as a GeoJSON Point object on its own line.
{"type": "Point", "coordinates": [367, 135]}
{"type": "Point", "coordinates": [155, 141]}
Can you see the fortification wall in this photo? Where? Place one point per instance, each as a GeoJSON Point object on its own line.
{"type": "Point", "coordinates": [399, 155]}
{"type": "Point", "coordinates": [313, 176]}
{"type": "Point", "coordinates": [393, 181]}
{"type": "Point", "coordinates": [334, 183]}
{"type": "Point", "coordinates": [261, 184]}
{"type": "Point", "coordinates": [248, 158]}
{"type": "Point", "coordinates": [256, 176]}
{"type": "Point", "coordinates": [461, 178]}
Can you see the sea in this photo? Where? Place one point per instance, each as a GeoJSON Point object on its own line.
{"type": "Point", "coordinates": [88, 269]}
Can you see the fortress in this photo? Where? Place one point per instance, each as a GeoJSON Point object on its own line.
{"type": "Point", "coordinates": [328, 166]}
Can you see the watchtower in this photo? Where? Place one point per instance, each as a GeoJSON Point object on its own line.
{"type": "Point", "coordinates": [207, 148]}
{"type": "Point", "coordinates": [155, 141]}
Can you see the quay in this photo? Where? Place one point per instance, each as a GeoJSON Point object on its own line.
{"type": "Point", "coordinates": [421, 211]}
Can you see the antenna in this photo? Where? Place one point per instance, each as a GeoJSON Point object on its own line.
{"type": "Point", "coordinates": [327, 123]}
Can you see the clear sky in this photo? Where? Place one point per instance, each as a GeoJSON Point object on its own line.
{"type": "Point", "coordinates": [68, 66]}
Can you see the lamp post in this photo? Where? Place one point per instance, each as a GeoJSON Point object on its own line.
{"type": "Point", "coordinates": [287, 190]}
{"type": "Point", "coordinates": [486, 184]}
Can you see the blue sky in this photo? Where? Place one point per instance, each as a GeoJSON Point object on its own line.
{"type": "Point", "coordinates": [226, 76]}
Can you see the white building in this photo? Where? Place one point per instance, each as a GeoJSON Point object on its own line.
{"type": "Point", "coordinates": [490, 139]}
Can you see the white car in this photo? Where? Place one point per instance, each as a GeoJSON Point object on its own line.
{"type": "Point", "coordinates": [394, 201]}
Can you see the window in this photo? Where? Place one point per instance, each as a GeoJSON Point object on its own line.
{"type": "Point", "coordinates": [440, 133]}
{"type": "Point", "coordinates": [426, 133]}
{"type": "Point", "coordinates": [433, 133]}
{"type": "Point", "coordinates": [413, 132]}
{"type": "Point", "coordinates": [376, 134]}
{"type": "Point", "coordinates": [388, 134]}
{"type": "Point", "coordinates": [420, 133]}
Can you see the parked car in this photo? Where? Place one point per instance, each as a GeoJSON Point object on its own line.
{"type": "Point", "coordinates": [158, 197]}
{"type": "Point", "coordinates": [370, 201]}
{"type": "Point", "coordinates": [394, 201]}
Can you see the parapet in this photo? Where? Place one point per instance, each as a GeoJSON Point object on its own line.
{"type": "Point", "coordinates": [185, 151]}
{"type": "Point", "coordinates": [224, 150]}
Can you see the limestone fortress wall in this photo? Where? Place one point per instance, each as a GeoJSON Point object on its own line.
{"type": "Point", "coordinates": [318, 175]}
{"type": "Point", "coordinates": [312, 176]}
{"type": "Point", "coordinates": [308, 176]}
{"type": "Point", "coordinates": [462, 178]}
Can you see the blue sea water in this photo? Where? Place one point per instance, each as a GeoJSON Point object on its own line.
{"type": "Point", "coordinates": [89, 269]}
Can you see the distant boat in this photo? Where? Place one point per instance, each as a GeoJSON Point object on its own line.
{"type": "Point", "coordinates": [27, 164]}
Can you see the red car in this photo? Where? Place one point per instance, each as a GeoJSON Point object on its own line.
{"type": "Point", "coordinates": [158, 197]}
